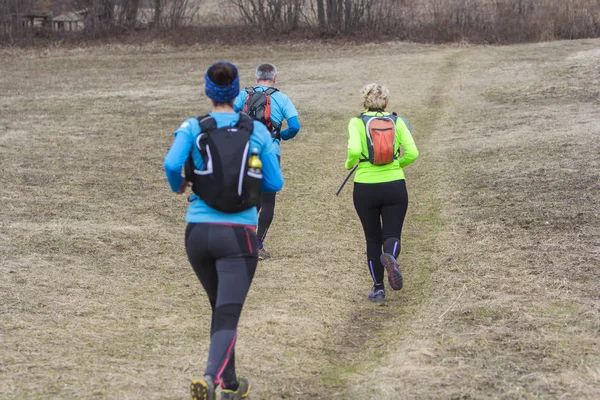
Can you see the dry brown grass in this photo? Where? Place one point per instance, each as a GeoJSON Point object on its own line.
{"type": "Point", "coordinates": [501, 243]}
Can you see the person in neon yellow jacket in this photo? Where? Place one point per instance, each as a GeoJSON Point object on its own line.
{"type": "Point", "coordinates": [380, 196]}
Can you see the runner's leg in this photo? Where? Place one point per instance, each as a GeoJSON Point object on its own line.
{"type": "Point", "coordinates": [265, 218]}
{"type": "Point", "coordinates": [266, 209]}
{"type": "Point", "coordinates": [367, 204]}
{"type": "Point", "coordinates": [393, 213]}
{"type": "Point", "coordinates": [234, 252]}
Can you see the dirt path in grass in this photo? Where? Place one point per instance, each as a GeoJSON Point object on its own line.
{"type": "Point", "coordinates": [362, 349]}
{"type": "Point", "coordinates": [502, 298]}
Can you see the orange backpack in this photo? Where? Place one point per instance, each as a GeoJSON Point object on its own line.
{"type": "Point", "coordinates": [381, 138]}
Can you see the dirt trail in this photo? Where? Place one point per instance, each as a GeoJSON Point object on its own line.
{"type": "Point", "coordinates": [362, 340]}
{"type": "Point", "coordinates": [503, 302]}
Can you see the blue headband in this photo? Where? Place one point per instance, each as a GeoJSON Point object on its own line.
{"type": "Point", "coordinates": [222, 94]}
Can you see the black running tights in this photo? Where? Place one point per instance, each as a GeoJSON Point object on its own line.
{"type": "Point", "coordinates": [381, 208]}
{"type": "Point", "coordinates": [224, 258]}
{"type": "Point", "coordinates": [266, 209]}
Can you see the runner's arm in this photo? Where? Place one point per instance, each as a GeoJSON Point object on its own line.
{"type": "Point", "coordinates": [177, 156]}
{"type": "Point", "coordinates": [292, 129]}
{"type": "Point", "coordinates": [272, 180]}
{"type": "Point", "coordinates": [240, 101]}
{"type": "Point", "coordinates": [403, 133]}
{"type": "Point", "coordinates": [354, 143]}
{"type": "Point", "coordinates": [290, 114]}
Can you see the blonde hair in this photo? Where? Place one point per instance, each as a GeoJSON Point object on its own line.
{"type": "Point", "coordinates": [375, 96]}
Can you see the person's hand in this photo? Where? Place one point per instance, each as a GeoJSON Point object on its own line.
{"type": "Point", "coordinates": [183, 186]}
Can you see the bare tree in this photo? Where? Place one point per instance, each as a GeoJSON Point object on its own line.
{"type": "Point", "coordinates": [342, 16]}
{"type": "Point", "coordinates": [271, 15]}
{"type": "Point", "coordinates": [181, 10]}
{"type": "Point", "coordinates": [158, 7]}
{"type": "Point", "coordinates": [15, 7]}
{"type": "Point", "coordinates": [321, 13]}
{"type": "Point", "coordinates": [106, 12]}
{"type": "Point", "coordinates": [131, 10]}
{"type": "Point", "coordinates": [98, 15]}
{"type": "Point", "coordinates": [332, 14]}
{"type": "Point", "coordinates": [105, 16]}
{"type": "Point", "coordinates": [11, 13]}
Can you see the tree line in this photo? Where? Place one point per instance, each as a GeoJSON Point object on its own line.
{"type": "Point", "coordinates": [477, 21]}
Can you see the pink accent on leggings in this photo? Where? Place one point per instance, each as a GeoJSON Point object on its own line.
{"type": "Point", "coordinates": [229, 350]}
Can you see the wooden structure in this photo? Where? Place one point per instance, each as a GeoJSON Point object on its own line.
{"type": "Point", "coordinates": [63, 23]}
{"type": "Point", "coordinates": [59, 24]}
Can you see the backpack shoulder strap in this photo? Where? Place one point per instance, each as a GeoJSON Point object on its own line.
{"type": "Point", "coordinates": [365, 118]}
{"type": "Point", "coordinates": [249, 92]}
{"type": "Point", "coordinates": [271, 90]}
{"type": "Point", "coordinates": [245, 122]}
{"type": "Point", "coordinates": [207, 123]}
{"type": "Point", "coordinates": [393, 116]}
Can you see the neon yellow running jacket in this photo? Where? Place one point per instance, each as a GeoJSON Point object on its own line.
{"type": "Point", "coordinates": [357, 147]}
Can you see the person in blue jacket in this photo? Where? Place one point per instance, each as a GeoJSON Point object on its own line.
{"type": "Point", "coordinates": [282, 109]}
{"type": "Point", "coordinates": [221, 247]}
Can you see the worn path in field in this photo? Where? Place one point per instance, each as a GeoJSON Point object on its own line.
{"type": "Point", "coordinates": [371, 331]}
{"type": "Point", "coordinates": [501, 241]}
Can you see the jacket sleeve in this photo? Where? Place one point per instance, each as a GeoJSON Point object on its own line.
{"type": "Point", "coordinates": [240, 101]}
{"type": "Point", "coordinates": [272, 180]}
{"type": "Point", "coordinates": [177, 155]}
{"type": "Point", "coordinates": [404, 136]}
{"type": "Point", "coordinates": [292, 129]}
{"type": "Point", "coordinates": [354, 142]}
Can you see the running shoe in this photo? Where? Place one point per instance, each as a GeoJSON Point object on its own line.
{"type": "Point", "coordinates": [203, 389]}
{"type": "Point", "coordinates": [393, 270]}
{"type": "Point", "coordinates": [242, 391]}
{"type": "Point", "coordinates": [377, 295]}
{"type": "Point", "coordinates": [263, 254]}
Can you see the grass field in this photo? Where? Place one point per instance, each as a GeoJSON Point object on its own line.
{"type": "Point", "coordinates": [501, 245]}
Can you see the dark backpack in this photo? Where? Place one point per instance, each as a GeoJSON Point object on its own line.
{"type": "Point", "coordinates": [224, 183]}
{"type": "Point", "coordinates": [381, 138]}
{"type": "Point", "coordinates": [258, 106]}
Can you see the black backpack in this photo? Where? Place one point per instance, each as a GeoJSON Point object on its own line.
{"type": "Point", "coordinates": [224, 183]}
{"type": "Point", "coordinates": [258, 106]}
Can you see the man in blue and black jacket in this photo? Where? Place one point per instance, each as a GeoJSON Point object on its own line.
{"type": "Point", "coordinates": [281, 108]}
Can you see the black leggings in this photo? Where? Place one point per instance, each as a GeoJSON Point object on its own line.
{"type": "Point", "coordinates": [224, 258]}
{"type": "Point", "coordinates": [381, 208]}
{"type": "Point", "coordinates": [266, 209]}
